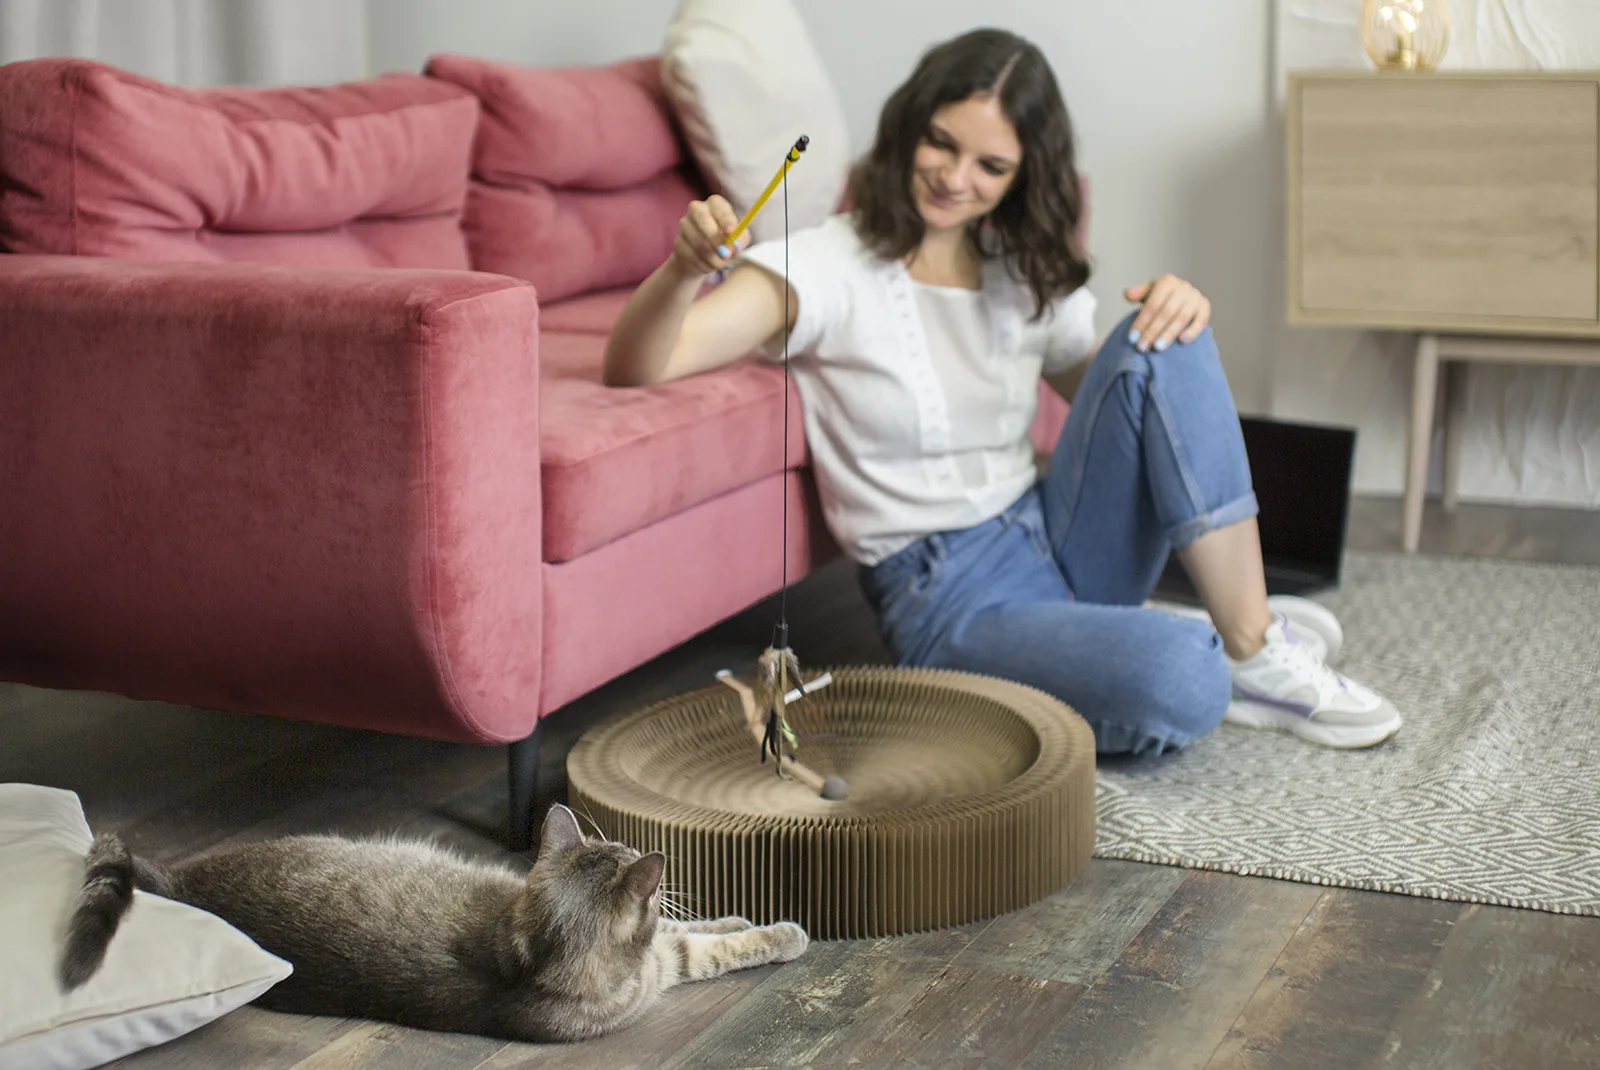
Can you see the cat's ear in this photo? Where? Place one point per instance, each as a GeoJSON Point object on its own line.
{"type": "Point", "coordinates": [644, 876]}
{"type": "Point", "coordinates": [561, 831]}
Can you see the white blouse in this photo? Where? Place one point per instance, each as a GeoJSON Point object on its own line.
{"type": "Point", "coordinates": [918, 399]}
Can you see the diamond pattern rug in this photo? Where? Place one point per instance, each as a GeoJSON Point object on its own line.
{"type": "Point", "coordinates": [1489, 794]}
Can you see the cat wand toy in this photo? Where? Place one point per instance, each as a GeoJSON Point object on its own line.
{"type": "Point", "coordinates": [832, 788]}
{"type": "Point", "coordinates": [766, 705]}
{"type": "Point", "coordinates": [791, 158]}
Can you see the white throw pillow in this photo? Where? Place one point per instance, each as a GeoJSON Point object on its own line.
{"type": "Point", "coordinates": [170, 968]}
{"type": "Point", "coordinates": [745, 82]}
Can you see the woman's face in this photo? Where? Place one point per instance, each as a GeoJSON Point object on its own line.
{"type": "Point", "coordinates": [965, 163]}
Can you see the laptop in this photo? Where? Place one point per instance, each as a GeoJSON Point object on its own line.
{"type": "Point", "coordinates": [1302, 478]}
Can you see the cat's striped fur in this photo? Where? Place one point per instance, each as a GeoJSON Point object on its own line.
{"type": "Point", "coordinates": [411, 933]}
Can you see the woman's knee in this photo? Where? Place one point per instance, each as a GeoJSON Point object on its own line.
{"type": "Point", "coordinates": [1182, 372]}
{"type": "Point", "coordinates": [1122, 337]}
{"type": "Point", "coordinates": [1181, 694]}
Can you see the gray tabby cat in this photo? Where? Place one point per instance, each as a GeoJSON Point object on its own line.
{"type": "Point", "coordinates": [410, 933]}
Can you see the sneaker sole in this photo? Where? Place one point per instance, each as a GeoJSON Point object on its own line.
{"type": "Point", "coordinates": [1340, 737]}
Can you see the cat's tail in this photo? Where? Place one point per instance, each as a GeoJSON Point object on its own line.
{"type": "Point", "coordinates": [110, 875]}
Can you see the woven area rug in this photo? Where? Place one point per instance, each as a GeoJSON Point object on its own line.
{"type": "Point", "coordinates": [1489, 794]}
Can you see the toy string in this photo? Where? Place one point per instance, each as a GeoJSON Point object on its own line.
{"type": "Point", "coordinates": [783, 596]}
{"type": "Point", "coordinates": [780, 634]}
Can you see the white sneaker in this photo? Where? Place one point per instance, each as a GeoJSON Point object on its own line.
{"type": "Point", "coordinates": [1312, 624]}
{"type": "Point", "coordinates": [1285, 686]}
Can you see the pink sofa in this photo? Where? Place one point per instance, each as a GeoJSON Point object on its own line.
{"type": "Point", "coordinates": [300, 404]}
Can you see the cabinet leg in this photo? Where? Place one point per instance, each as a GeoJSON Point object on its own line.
{"type": "Point", "coordinates": [1424, 384]}
{"type": "Point", "coordinates": [1455, 416]}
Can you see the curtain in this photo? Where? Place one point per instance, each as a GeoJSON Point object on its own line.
{"type": "Point", "coordinates": [197, 42]}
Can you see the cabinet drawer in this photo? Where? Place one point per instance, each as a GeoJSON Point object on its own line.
{"type": "Point", "coordinates": [1446, 201]}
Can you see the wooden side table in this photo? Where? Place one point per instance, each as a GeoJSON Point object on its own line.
{"type": "Point", "coordinates": [1450, 355]}
{"type": "Point", "coordinates": [1463, 206]}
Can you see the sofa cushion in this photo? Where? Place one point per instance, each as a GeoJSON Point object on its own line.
{"type": "Point", "coordinates": [98, 161]}
{"type": "Point", "coordinates": [616, 459]}
{"type": "Point", "coordinates": [570, 242]}
{"type": "Point", "coordinates": [591, 313]}
{"type": "Point", "coordinates": [579, 175]}
{"type": "Point", "coordinates": [744, 81]}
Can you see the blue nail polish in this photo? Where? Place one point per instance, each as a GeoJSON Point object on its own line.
{"type": "Point", "coordinates": [1133, 336]}
{"type": "Point", "coordinates": [1161, 345]}
{"type": "Point", "coordinates": [723, 251]}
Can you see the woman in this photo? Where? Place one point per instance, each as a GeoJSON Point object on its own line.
{"type": "Point", "coordinates": [918, 326]}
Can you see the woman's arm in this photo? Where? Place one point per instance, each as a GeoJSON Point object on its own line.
{"type": "Point", "coordinates": [664, 333]}
{"type": "Point", "coordinates": [1066, 381]}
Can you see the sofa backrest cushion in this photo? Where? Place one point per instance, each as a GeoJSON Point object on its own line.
{"type": "Point", "coordinates": [98, 161]}
{"type": "Point", "coordinates": [579, 175]}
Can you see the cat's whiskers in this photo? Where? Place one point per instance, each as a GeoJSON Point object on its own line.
{"type": "Point", "coordinates": [673, 908]}
{"type": "Point", "coordinates": [682, 896]}
{"type": "Point", "coordinates": [584, 813]}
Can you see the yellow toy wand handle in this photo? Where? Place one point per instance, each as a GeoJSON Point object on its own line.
{"type": "Point", "coordinates": [792, 157]}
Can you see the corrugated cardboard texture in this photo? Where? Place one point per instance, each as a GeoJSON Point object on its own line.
{"type": "Point", "coordinates": [969, 797]}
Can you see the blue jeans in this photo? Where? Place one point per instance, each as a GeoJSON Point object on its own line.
{"type": "Point", "coordinates": [1049, 593]}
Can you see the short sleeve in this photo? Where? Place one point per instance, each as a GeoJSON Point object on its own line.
{"type": "Point", "coordinates": [815, 269]}
{"type": "Point", "coordinates": [1071, 336]}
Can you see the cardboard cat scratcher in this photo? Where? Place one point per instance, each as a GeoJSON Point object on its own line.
{"type": "Point", "coordinates": [896, 800]}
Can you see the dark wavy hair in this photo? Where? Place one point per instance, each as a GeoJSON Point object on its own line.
{"type": "Point", "coordinates": [1036, 223]}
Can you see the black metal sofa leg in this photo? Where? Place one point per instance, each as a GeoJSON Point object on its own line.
{"type": "Point", "coordinates": [524, 784]}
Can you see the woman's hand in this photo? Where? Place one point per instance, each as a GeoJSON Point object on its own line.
{"type": "Point", "coordinates": [1173, 310]}
{"type": "Point", "coordinates": [703, 231]}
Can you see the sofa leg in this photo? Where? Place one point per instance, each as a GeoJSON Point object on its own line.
{"type": "Point", "coordinates": [524, 784]}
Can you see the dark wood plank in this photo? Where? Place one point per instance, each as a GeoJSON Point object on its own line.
{"type": "Point", "coordinates": [971, 1017]}
{"type": "Point", "coordinates": [1511, 988]}
{"type": "Point", "coordinates": [126, 758]}
{"type": "Point", "coordinates": [1333, 996]}
{"type": "Point", "coordinates": [380, 1046]}
{"type": "Point", "coordinates": [685, 1013]}
{"type": "Point", "coordinates": [1523, 533]}
{"type": "Point", "coordinates": [245, 1038]}
{"type": "Point", "coordinates": [327, 780]}
{"type": "Point", "coordinates": [362, 786]}
{"type": "Point", "coordinates": [827, 1005]}
{"type": "Point", "coordinates": [1170, 997]}
{"type": "Point", "coordinates": [1073, 935]}
{"type": "Point", "coordinates": [38, 726]}
{"type": "Point", "coordinates": [952, 1063]}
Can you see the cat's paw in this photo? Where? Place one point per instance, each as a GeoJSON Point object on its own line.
{"type": "Point", "coordinates": [789, 941]}
{"type": "Point", "coordinates": [731, 924]}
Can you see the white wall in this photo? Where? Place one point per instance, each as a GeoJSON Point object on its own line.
{"type": "Point", "coordinates": [403, 33]}
{"type": "Point", "coordinates": [1172, 100]}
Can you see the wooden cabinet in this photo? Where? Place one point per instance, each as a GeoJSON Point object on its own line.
{"type": "Point", "coordinates": [1466, 202]}
{"type": "Point", "coordinates": [1455, 205]}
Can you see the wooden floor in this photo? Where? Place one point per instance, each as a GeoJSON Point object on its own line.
{"type": "Point", "coordinates": [1132, 966]}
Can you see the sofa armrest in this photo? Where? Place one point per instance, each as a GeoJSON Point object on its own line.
{"type": "Point", "coordinates": [309, 493]}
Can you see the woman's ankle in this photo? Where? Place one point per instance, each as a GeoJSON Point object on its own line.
{"type": "Point", "coordinates": [1244, 641]}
